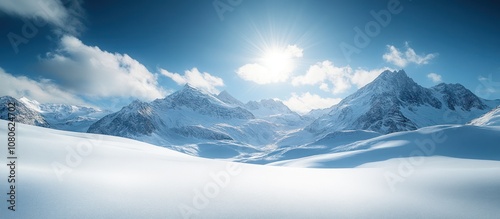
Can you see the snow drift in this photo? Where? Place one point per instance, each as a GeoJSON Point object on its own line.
{"type": "Point", "coordinates": [79, 175]}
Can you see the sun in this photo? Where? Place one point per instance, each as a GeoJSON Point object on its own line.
{"type": "Point", "coordinates": [277, 60]}
{"type": "Point", "coordinates": [273, 64]}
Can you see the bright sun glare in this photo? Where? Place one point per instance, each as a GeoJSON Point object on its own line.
{"type": "Point", "coordinates": [274, 64]}
{"type": "Point", "coordinates": [277, 60]}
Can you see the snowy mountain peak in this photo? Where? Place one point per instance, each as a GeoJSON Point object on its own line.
{"type": "Point", "coordinates": [456, 95]}
{"type": "Point", "coordinates": [186, 114]}
{"type": "Point", "coordinates": [136, 103]}
{"type": "Point", "coordinates": [33, 104]}
{"type": "Point", "coordinates": [277, 112]}
{"type": "Point", "coordinates": [189, 94]}
{"type": "Point", "coordinates": [390, 75]}
{"type": "Point", "coordinates": [138, 118]}
{"type": "Point", "coordinates": [59, 116]}
{"type": "Point", "coordinates": [189, 87]}
{"type": "Point", "coordinates": [275, 106]}
{"type": "Point", "coordinates": [225, 97]}
{"type": "Point", "coordinates": [394, 102]}
{"type": "Point", "coordinates": [392, 81]}
{"type": "Point", "coordinates": [23, 113]}
{"type": "Point", "coordinates": [138, 106]}
{"type": "Point", "coordinates": [7, 99]}
{"type": "Point", "coordinates": [203, 103]}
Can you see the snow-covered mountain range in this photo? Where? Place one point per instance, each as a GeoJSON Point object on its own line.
{"type": "Point", "coordinates": [58, 116]}
{"type": "Point", "coordinates": [23, 113]}
{"type": "Point", "coordinates": [187, 118]}
{"type": "Point", "coordinates": [220, 126]}
{"type": "Point", "coordinates": [393, 102]}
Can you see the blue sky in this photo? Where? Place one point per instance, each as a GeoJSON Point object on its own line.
{"type": "Point", "coordinates": [309, 54]}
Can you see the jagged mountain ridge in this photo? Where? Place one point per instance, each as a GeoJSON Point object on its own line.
{"type": "Point", "coordinates": [225, 97]}
{"type": "Point", "coordinates": [193, 121]}
{"type": "Point", "coordinates": [394, 102]}
{"type": "Point", "coordinates": [277, 112]}
{"type": "Point", "coordinates": [65, 116]}
{"type": "Point", "coordinates": [188, 115]}
{"type": "Point", "coordinates": [203, 103]}
{"type": "Point", "coordinates": [137, 118]}
{"type": "Point", "coordinates": [267, 107]}
{"type": "Point", "coordinates": [23, 113]}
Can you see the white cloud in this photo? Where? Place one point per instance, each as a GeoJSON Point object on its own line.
{"type": "Point", "coordinates": [43, 91]}
{"type": "Point", "coordinates": [204, 81]}
{"type": "Point", "coordinates": [181, 80]}
{"type": "Point", "coordinates": [324, 87]}
{"type": "Point", "coordinates": [402, 59]}
{"type": "Point", "coordinates": [65, 16]}
{"type": "Point", "coordinates": [323, 72]}
{"type": "Point", "coordinates": [434, 77]}
{"type": "Point", "coordinates": [337, 79]}
{"type": "Point", "coordinates": [306, 102]}
{"type": "Point", "coordinates": [261, 74]}
{"type": "Point", "coordinates": [294, 51]}
{"type": "Point", "coordinates": [274, 67]}
{"type": "Point", "coordinates": [395, 57]}
{"type": "Point", "coordinates": [90, 71]}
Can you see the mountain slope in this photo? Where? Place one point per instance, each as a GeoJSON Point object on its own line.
{"type": "Point", "coordinates": [138, 118]}
{"type": "Point", "coordinates": [24, 114]}
{"type": "Point", "coordinates": [394, 102]}
{"type": "Point", "coordinates": [202, 103]}
{"type": "Point", "coordinates": [277, 112]}
{"type": "Point", "coordinates": [186, 117]}
{"type": "Point", "coordinates": [267, 107]}
{"type": "Point", "coordinates": [491, 118]}
{"type": "Point", "coordinates": [65, 116]}
{"type": "Point", "coordinates": [112, 177]}
{"type": "Point", "coordinates": [270, 110]}
{"type": "Point", "coordinates": [225, 97]}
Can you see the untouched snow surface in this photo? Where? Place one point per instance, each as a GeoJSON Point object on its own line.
{"type": "Point", "coordinates": [450, 141]}
{"type": "Point", "coordinates": [78, 175]}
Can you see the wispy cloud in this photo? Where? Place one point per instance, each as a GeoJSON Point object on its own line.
{"type": "Point", "coordinates": [43, 90]}
{"type": "Point", "coordinates": [436, 78]}
{"type": "Point", "coordinates": [487, 86]}
{"type": "Point", "coordinates": [65, 16]}
{"type": "Point", "coordinates": [274, 68]}
{"type": "Point", "coordinates": [88, 70]}
{"type": "Point", "coordinates": [403, 58]}
{"type": "Point", "coordinates": [306, 102]}
{"type": "Point", "coordinates": [195, 78]}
